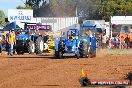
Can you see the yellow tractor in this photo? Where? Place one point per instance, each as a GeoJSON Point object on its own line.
{"type": "Point", "coordinates": [50, 41]}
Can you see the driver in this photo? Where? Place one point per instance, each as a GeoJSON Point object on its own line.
{"type": "Point", "coordinates": [86, 33]}
{"type": "Point", "coordinates": [74, 36]}
{"type": "Point", "coordinates": [70, 38]}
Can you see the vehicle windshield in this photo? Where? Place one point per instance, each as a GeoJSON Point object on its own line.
{"type": "Point", "coordinates": [72, 34]}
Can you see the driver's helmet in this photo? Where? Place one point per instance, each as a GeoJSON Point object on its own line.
{"type": "Point", "coordinates": [73, 33]}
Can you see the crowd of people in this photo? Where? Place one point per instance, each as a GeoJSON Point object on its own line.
{"type": "Point", "coordinates": [8, 41]}
{"type": "Point", "coordinates": [115, 42]}
{"type": "Point", "coordinates": [103, 41]}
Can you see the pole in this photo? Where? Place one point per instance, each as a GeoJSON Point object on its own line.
{"type": "Point", "coordinates": [76, 12]}
{"type": "Point", "coordinates": [110, 28]}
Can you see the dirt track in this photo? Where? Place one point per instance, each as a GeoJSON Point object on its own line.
{"type": "Point", "coordinates": [31, 71]}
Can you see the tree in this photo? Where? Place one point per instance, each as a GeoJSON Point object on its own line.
{"type": "Point", "coordinates": [2, 18]}
{"type": "Point", "coordinates": [27, 6]}
{"type": "Point", "coordinates": [114, 7]}
{"type": "Point", "coordinates": [83, 8]}
{"type": "Point", "coordinates": [86, 9]}
{"type": "Point", "coordinates": [24, 7]}
{"type": "Point", "coordinates": [19, 7]}
{"type": "Point", "coordinates": [40, 7]}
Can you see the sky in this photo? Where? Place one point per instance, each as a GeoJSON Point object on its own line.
{"type": "Point", "coordinates": [10, 4]}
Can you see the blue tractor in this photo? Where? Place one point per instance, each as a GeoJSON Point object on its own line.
{"type": "Point", "coordinates": [68, 46]}
{"type": "Point", "coordinates": [30, 43]}
{"type": "Point", "coordinates": [79, 43]}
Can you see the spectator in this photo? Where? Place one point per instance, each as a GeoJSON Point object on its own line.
{"type": "Point", "coordinates": [127, 41]}
{"type": "Point", "coordinates": [11, 41]}
{"type": "Point", "coordinates": [117, 42]}
{"type": "Point", "coordinates": [104, 41]}
{"type": "Point", "coordinates": [122, 42]}
{"type": "Point", "coordinates": [110, 43]}
{"type": "Point", "coordinates": [114, 43]}
{"type": "Point", "coordinates": [0, 43]}
{"type": "Point", "coordinates": [107, 42]}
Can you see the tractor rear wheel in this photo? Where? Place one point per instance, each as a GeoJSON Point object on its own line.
{"type": "Point", "coordinates": [59, 55]}
{"type": "Point", "coordinates": [0, 48]}
{"type": "Point", "coordinates": [39, 45]}
{"type": "Point", "coordinates": [31, 47]}
{"type": "Point", "coordinates": [84, 50]}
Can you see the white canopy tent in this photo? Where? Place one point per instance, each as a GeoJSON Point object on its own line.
{"type": "Point", "coordinates": [121, 19]}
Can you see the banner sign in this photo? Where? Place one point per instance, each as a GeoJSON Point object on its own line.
{"type": "Point", "coordinates": [40, 27]}
{"type": "Point", "coordinates": [21, 15]}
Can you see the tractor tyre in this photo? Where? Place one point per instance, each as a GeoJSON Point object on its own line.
{"type": "Point", "coordinates": [84, 81]}
{"type": "Point", "coordinates": [39, 45]}
{"type": "Point", "coordinates": [0, 48]}
{"type": "Point", "coordinates": [84, 50]}
{"type": "Point", "coordinates": [31, 47]}
{"type": "Point", "coordinates": [59, 55]}
{"type": "Point", "coordinates": [77, 56]}
{"type": "Point", "coordinates": [19, 52]}
{"type": "Point", "coordinates": [56, 54]}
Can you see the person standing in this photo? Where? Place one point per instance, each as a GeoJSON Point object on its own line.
{"type": "Point", "coordinates": [127, 40]}
{"type": "Point", "coordinates": [1, 41]}
{"type": "Point", "coordinates": [104, 41]}
{"type": "Point", "coordinates": [11, 41]}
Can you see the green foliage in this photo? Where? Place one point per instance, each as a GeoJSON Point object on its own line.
{"type": "Point", "coordinates": [24, 7]}
{"type": "Point", "coordinates": [2, 18]}
{"type": "Point", "coordinates": [88, 9]}
{"type": "Point", "coordinates": [115, 7]}
{"type": "Point", "coordinates": [19, 7]}
{"type": "Point", "coordinates": [27, 6]}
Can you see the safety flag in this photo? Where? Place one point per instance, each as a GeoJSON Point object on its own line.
{"type": "Point", "coordinates": [83, 73]}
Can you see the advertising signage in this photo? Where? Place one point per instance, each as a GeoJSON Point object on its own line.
{"type": "Point", "coordinates": [20, 15]}
{"type": "Point", "coordinates": [40, 27]}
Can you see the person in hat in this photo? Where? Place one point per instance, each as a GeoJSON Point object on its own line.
{"type": "Point", "coordinates": [11, 41]}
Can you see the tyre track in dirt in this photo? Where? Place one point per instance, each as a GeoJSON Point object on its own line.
{"type": "Point", "coordinates": [64, 73]}
{"type": "Point", "coordinates": [17, 64]}
{"type": "Point", "coordinates": [27, 73]}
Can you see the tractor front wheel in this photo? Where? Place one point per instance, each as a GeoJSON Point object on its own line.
{"type": "Point", "coordinates": [19, 52]}
{"type": "Point", "coordinates": [56, 54]}
{"type": "Point", "coordinates": [39, 45]}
